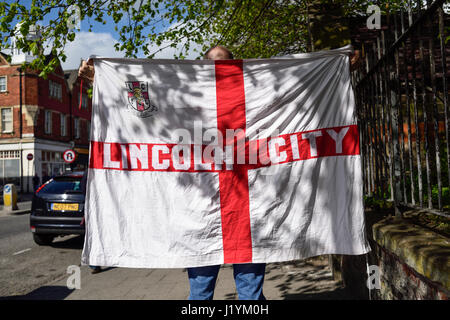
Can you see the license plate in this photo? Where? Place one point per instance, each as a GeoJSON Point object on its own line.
{"type": "Point", "coordinates": [64, 206]}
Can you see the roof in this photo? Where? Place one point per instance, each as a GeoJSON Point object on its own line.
{"type": "Point", "coordinates": [5, 57]}
{"type": "Point", "coordinates": [71, 77]}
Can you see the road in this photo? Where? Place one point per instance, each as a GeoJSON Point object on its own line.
{"type": "Point", "coordinates": [29, 271]}
{"type": "Point", "coordinates": [25, 266]}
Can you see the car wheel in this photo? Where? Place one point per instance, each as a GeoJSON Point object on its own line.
{"type": "Point", "coordinates": [43, 239]}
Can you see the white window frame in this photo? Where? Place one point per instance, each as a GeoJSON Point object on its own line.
{"type": "Point", "coordinates": [63, 123]}
{"type": "Point", "coordinates": [50, 88]}
{"type": "Point", "coordinates": [84, 101]}
{"type": "Point", "coordinates": [54, 90]}
{"type": "Point", "coordinates": [48, 122]}
{"type": "Point", "coordinates": [77, 128]}
{"type": "Point", "coordinates": [6, 84]}
{"type": "Point", "coordinates": [4, 129]}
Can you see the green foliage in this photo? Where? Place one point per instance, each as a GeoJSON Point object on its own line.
{"type": "Point", "coordinates": [445, 196]}
{"type": "Point", "coordinates": [89, 92]}
{"type": "Point", "coordinates": [251, 29]}
{"type": "Point", "coordinates": [377, 203]}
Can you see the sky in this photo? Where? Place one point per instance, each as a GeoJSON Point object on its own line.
{"type": "Point", "coordinates": [101, 42]}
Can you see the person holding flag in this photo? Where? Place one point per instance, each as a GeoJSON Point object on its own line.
{"type": "Point", "coordinates": [249, 277]}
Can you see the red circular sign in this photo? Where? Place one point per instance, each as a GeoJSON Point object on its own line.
{"type": "Point", "coordinates": [30, 156]}
{"type": "Point", "coordinates": [69, 156]}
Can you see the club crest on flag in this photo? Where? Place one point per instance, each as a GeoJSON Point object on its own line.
{"type": "Point", "coordinates": [138, 99]}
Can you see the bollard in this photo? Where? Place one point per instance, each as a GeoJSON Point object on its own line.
{"type": "Point", "coordinates": [10, 197]}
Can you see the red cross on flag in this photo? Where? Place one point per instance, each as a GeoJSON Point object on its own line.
{"type": "Point", "coordinates": [196, 163]}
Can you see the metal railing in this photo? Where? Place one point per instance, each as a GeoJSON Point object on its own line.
{"type": "Point", "coordinates": [402, 102]}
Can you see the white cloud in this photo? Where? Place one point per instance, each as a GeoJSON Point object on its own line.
{"type": "Point", "coordinates": [102, 44]}
{"type": "Point", "coordinates": [169, 52]}
{"type": "Point", "coordinates": [87, 44]}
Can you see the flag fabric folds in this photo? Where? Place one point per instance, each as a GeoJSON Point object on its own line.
{"type": "Point", "coordinates": [200, 162]}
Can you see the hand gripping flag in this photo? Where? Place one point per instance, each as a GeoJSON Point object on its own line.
{"type": "Point", "coordinates": [196, 163]}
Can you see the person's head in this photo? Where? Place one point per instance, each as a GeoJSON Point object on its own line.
{"type": "Point", "coordinates": [218, 53]}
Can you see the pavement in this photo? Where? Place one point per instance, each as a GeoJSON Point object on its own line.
{"type": "Point", "coordinates": [23, 205]}
{"type": "Point", "coordinates": [309, 279]}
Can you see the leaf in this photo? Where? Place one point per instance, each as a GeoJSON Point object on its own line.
{"type": "Point", "coordinates": [251, 29]}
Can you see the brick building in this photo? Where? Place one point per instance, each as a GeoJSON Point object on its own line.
{"type": "Point", "coordinates": [43, 121]}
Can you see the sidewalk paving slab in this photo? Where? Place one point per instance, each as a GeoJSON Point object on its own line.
{"type": "Point", "coordinates": [295, 280]}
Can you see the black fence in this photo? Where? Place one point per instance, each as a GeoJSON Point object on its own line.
{"type": "Point", "coordinates": [401, 93]}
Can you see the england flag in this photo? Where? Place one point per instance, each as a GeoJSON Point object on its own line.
{"type": "Point", "coordinates": [201, 162]}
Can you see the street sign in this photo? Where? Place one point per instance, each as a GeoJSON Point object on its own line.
{"type": "Point", "coordinates": [29, 156]}
{"type": "Point", "coordinates": [69, 156]}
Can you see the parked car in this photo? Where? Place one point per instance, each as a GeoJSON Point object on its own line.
{"type": "Point", "coordinates": [57, 208]}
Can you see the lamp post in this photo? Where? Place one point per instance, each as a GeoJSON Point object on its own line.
{"type": "Point", "coordinates": [20, 69]}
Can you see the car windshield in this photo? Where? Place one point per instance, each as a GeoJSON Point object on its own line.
{"type": "Point", "coordinates": [62, 186]}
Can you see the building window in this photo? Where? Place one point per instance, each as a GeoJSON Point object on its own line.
{"type": "Point", "coordinates": [84, 101]}
{"type": "Point", "coordinates": [3, 82]}
{"type": "Point", "coordinates": [10, 167]}
{"type": "Point", "coordinates": [10, 154]}
{"type": "Point", "coordinates": [63, 125]}
{"type": "Point", "coordinates": [55, 90]}
{"type": "Point", "coordinates": [7, 120]}
{"type": "Point", "coordinates": [48, 121]}
{"type": "Point", "coordinates": [52, 164]}
{"type": "Point", "coordinates": [77, 128]}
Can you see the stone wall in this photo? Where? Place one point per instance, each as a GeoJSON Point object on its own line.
{"type": "Point", "coordinates": [413, 263]}
{"type": "Point", "coordinates": [401, 282]}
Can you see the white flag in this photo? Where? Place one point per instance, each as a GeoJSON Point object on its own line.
{"type": "Point", "coordinates": [196, 163]}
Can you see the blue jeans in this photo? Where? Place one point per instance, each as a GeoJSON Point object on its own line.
{"type": "Point", "coordinates": [249, 279]}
